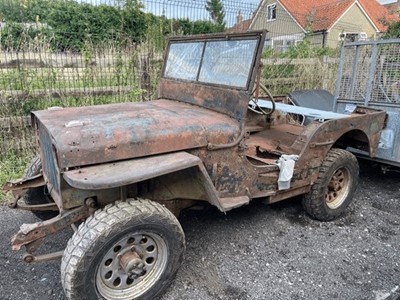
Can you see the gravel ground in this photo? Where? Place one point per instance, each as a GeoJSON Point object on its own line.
{"type": "Point", "coordinates": [258, 251]}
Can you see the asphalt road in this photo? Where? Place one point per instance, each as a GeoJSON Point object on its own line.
{"type": "Point", "coordinates": [258, 251]}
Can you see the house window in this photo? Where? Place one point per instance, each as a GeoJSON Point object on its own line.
{"type": "Point", "coordinates": [271, 12]}
{"type": "Point", "coordinates": [350, 37]}
{"type": "Point", "coordinates": [283, 46]}
{"type": "Point", "coordinates": [282, 43]}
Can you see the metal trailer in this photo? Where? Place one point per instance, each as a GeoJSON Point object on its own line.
{"type": "Point", "coordinates": [369, 75]}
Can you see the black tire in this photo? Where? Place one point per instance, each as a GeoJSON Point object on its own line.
{"type": "Point", "coordinates": [91, 266]}
{"type": "Point", "coordinates": [335, 187]}
{"type": "Point", "coordinates": [35, 196]}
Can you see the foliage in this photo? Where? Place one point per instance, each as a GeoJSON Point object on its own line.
{"type": "Point", "coordinates": [393, 31]}
{"type": "Point", "coordinates": [284, 76]}
{"type": "Point", "coordinates": [76, 23]}
{"type": "Point", "coordinates": [68, 24]}
{"type": "Point", "coordinates": [304, 49]}
{"type": "Point", "coordinates": [185, 26]}
{"type": "Point", "coordinates": [160, 27]}
{"type": "Point", "coordinates": [14, 36]}
{"type": "Point", "coordinates": [25, 11]}
{"type": "Point", "coordinates": [217, 12]}
{"type": "Point", "coordinates": [12, 165]}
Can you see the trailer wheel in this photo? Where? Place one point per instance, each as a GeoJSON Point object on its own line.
{"type": "Point", "coordinates": [128, 250]}
{"type": "Point", "coordinates": [334, 189]}
{"type": "Point", "coordinates": [35, 196]}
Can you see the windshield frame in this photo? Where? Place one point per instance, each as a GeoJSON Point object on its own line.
{"type": "Point", "coordinates": [256, 36]}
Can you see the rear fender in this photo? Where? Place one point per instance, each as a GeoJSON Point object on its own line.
{"type": "Point", "coordinates": [365, 124]}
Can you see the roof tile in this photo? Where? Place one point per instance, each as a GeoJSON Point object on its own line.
{"type": "Point", "coordinates": [322, 14]}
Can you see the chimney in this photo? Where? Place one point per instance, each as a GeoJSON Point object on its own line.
{"type": "Point", "coordinates": [239, 18]}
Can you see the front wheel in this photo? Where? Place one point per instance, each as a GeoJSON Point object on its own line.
{"type": "Point", "coordinates": [128, 250]}
{"type": "Point", "coordinates": [335, 187]}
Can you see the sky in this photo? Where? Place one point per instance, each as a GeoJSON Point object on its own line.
{"type": "Point", "coordinates": [386, 1]}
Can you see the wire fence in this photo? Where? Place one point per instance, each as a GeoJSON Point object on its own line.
{"type": "Point", "coordinates": [370, 73]}
{"type": "Point", "coordinates": [88, 52]}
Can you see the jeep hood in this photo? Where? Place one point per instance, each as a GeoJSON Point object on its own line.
{"type": "Point", "coordinates": [97, 134]}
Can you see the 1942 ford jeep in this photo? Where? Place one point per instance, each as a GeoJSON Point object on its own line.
{"type": "Point", "coordinates": [125, 171]}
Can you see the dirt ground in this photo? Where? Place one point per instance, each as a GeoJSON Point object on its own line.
{"type": "Point", "coordinates": [258, 251]}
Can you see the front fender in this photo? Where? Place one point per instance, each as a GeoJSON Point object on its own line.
{"type": "Point", "coordinates": [122, 173]}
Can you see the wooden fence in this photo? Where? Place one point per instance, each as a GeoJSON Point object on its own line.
{"type": "Point", "coordinates": [301, 73]}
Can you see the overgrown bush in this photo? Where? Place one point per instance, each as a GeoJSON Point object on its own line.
{"type": "Point", "coordinates": [69, 24]}
{"type": "Point", "coordinates": [303, 49]}
{"type": "Point", "coordinates": [284, 74]}
{"type": "Point", "coordinates": [393, 31]}
{"type": "Point", "coordinates": [16, 36]}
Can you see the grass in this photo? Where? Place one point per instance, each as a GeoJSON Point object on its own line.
{"type": "Point", "coordinates": [29, 79]}
{"type": "Point", "coordinates": [12, 166]}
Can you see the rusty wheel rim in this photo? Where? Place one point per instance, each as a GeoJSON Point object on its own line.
{"type": "Point", "coordinates": [113, 281]}
{"type": "Point", "coordinates": [338, 188]}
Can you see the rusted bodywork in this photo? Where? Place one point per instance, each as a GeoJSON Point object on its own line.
{"type": "Point", "coordinates": [198, 141]}
{"type": "Point", "coordinates": [105, 133]}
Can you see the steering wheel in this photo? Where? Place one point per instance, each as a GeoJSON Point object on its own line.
{"type": "Point", "coordinates": [253, 104]}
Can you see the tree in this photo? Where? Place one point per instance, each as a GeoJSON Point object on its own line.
{"type": "Point", "coordinates": [77, 24]}
{"type": "Point", "coordinates": [393, 31]}
{"type": "Point", "coordinates": [185, 27]}
{"type": "Point", "coordinates": [217, 12]}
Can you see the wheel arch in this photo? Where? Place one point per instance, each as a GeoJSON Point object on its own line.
{"type": "Point", "coordinates": [165, 177]}
{"type": "Point", "coordinates": [355, 138]}
{"type": "Point", "coordinates": [182, 188]}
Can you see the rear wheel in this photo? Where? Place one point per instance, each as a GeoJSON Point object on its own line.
{"type": "Point", "coordinates": [38, 195]}
{"type": "Point", "coordinates": [334, 189]}
{"type": "Point", "coordinates": [128, 250]}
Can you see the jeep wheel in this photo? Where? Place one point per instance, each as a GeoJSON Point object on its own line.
{"type": "Point", "coordinates": [128, 250]}
{"type": "Point", "coordinates": [335, 186]}
{"type": "Point", "coordinates": [36, 196]}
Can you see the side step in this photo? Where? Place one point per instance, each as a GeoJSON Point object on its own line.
{"type": "Point", "coordinates": [229, 203]}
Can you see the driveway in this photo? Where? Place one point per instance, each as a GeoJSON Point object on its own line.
{"type": "Point", "coordinates": [258, 251]}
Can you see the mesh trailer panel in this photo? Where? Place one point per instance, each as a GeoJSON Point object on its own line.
{"type": "Point", "coordinates": [369, 74]}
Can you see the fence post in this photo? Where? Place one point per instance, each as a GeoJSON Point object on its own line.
{"type": "Point", "coordinates": [325, 75]}
{"type": "Point", "coordinates": [329, 72]}
{"type": "Point", "coordinates": [145, 77]}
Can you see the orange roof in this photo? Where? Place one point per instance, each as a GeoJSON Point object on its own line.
{"type": "Point", "coordinates": [378, 13]}
{"type": "Point", "coordinates": [392, 7]}
{"type": "Point", "coordinates": [322, 14]}
{"type": "Point", "coordinates": [240, 26]}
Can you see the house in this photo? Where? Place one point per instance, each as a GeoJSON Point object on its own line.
{"type": "Point", "coordinates": [325, 22]}
{"type": "Point", "coordinates": [241, 25]}
{"type": "Point", "coordinates": [393, 7]}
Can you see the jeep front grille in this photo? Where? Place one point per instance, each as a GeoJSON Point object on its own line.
{"type": "Point", "coordinates": [49, 165]}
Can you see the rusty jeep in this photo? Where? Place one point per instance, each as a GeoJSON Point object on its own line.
{"type": "Point", "coordinates": [120, 174]}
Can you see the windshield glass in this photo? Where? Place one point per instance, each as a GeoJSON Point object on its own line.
{"type": "Point", "coordinates": [226, 62]}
